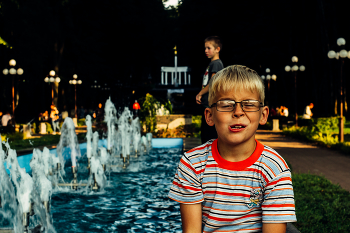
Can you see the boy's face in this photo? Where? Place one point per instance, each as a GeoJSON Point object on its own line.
{"type": "Point", "coordinates": [236, 127]}
{"type": "Point", "coordinates": [210, 50]}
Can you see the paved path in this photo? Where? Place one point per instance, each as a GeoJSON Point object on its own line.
{"type": "Point", "coordinates": [306, 158]}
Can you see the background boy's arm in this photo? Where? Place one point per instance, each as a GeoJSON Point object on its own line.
{"type": "Point", "coordinates": [191, 217]}
{"type": "Point", "coordinates": [203, 91]}
{"type": "Point", "coordinates": [274, 227]}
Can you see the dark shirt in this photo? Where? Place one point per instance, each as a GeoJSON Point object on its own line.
{"type": "Point", "coordinates": [214, 67]}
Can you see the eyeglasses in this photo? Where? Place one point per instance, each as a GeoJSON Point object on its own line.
{"type": "Point", "coordinates": [230, 105]}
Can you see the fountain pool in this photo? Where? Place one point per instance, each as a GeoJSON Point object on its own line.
{"type": "Point", "coordinates": [134, 199]}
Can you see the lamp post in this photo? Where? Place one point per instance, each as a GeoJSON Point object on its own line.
{"type": "Point", "coordinates": [294, 69]}
{"type": "Point", "coordinates": [340, 55]}
{"type": "Point", "coordinates": [74, 82]}
{"type": "Point", "coordinates": [13, 71]}
{"type": "Point", "coordinates": [175, 61]}
{"type": "Point", "coordinates": [51, 79]}
{"type": "Point", "coordinates": [268, 77]}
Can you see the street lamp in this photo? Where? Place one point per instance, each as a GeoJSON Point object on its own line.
{"type": "Point", "coordinates": [52, 78]}
{"type": "Point", "coordinates": [74, 82]}
{"type": "Point", "coordinates": [340, 55]}
{"type": "Point", "coordinates": [268, 77]}
{"type": "Point", "coordinates": [294, 69]}
{"type": "Point", "coordinates": [13, 71]}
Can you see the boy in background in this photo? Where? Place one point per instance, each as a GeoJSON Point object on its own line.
{"type": "Point", "coordinates": [234, 183]}
{"type": "Point", "coordinates": [213, 47]}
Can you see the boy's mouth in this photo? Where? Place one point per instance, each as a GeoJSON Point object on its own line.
{"type": "Point", "coordinates": [237, 127]}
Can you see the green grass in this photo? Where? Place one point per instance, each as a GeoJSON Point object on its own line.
{"type": "Point", "coordinates": [18, 143]}
{"type": "Point", "coordinates": [320, 205]}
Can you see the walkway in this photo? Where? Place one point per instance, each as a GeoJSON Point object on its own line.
{"type": "Point", "coordinates": [304, 157]}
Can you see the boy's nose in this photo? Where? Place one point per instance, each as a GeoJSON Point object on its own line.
{"type": "Point", "coordinates": [238, 110]}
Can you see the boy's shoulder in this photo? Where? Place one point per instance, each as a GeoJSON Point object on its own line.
{"type": "Point", "coordinates": [199, 153]}
{"type": "Point", "coordinates": [273, 162]}
{"type": "Point", "coordinates": [217, 61]}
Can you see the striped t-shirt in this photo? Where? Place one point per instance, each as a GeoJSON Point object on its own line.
{"type": "Point", "coordinates": [235, 196]}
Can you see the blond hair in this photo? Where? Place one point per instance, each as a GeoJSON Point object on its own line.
{"type": "Point", "coordinates": [236, 77]}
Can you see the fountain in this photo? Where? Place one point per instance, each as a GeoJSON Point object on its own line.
{"type": "Point", "coordinates": [32, 201]}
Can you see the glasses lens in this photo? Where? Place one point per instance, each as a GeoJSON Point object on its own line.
{"type": "Point", "coordinates": [225, 106]}
{"type": "Point", "coordinates": [251, 105]}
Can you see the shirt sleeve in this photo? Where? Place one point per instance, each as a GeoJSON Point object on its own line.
{"type": "Point", "coordinates": [186, 187]}
{"type": "Point", "coordinates": [278, 205]}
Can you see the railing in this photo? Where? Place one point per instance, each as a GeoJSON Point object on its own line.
{"type": "Point", "coordinates": [175, 72]}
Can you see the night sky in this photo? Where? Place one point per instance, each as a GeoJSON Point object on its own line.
{"type": "Point", "coordinates": [123, 44]}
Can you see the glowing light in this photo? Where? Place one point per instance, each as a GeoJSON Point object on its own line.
{"type": "Point", "coordinates": [13, 71]}
{"type": "Point", "coordinates": [19, 71]}
{"type": "Point", "coordinates": [12, 62]}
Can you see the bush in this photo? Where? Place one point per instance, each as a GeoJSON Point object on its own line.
{"type": "Point", "coordinates": [148, 111]}
{"type": "Point", "coordinates": [197, 121]}
{"type": "Point", "coordinates": [48, 128]}
{"type": "Point", "coordinates": [12, 136]}
{"type": "Point", "coordinates": [320, 130]}
{"type": "Point", "coordinates": [320, 205]}
{"type": "Point", "coordinates": [182, 131]}
{"type": "Point", "coordinates": [81, 122]}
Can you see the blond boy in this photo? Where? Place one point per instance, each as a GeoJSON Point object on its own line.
{"type": "Point", "coordinates": [234, 183]}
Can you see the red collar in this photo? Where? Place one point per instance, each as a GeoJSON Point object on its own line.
{"type": "Point", "coordinates": [236, 166]}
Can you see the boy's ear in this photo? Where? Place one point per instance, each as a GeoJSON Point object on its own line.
{"type": "Point", "coordinates": [264, 115]}
{"type": "Point", "coordinates": [209, 116]}
{"type": "Point", "coordinates": [218, 49]}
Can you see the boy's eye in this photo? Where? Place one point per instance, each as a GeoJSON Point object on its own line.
{"type": "Point", "coordinates": [226, 106]}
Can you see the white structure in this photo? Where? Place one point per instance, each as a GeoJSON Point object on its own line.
{"type": "Point", "coordinates": [174, 73]}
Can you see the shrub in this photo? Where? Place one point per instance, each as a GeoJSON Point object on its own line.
{"type": "Point", "coordinates": [182, 131]}
{"type": "Point", "coordinates": [320, 130]}
{"type": "Point", "coordinates": [197, 121]}
{"type": "Point", "coordinates": [81, 122]}
{"type": "Point", "coordinates": [148, 111]}
{"type": "Point", "coordinates": [12, 136]}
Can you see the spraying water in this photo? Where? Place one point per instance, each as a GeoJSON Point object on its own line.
{"type": "Point", "coordinates": [110, 115]}
{"type": "Point", "coordinates": [68, 139]}
{"type": "Point", "coordinates": [9, 210]}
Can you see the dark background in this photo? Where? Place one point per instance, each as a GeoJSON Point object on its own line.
{"type": "Point", "coordinates": [123, 44]}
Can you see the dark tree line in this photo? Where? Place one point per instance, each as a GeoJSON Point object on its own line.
{"type": "Point", "coordinates": [123, 43]}
{"type": "Point", "coordinates": [266, 34]}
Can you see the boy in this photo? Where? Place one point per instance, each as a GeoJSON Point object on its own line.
{"type": "Point", "coordinates": [213, 47]}
{"type": "Point", "coordinates": [234, 183]}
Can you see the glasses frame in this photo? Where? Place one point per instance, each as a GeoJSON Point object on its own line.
{"type": "Point", "coordinates": [234, 107]}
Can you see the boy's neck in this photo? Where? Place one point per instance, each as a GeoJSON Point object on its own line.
{"type": "Point", "coordinates": [236, 153]}
{"type": "Point", "coordinates": [216, 57]}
